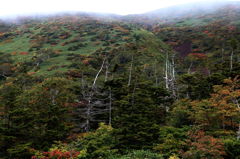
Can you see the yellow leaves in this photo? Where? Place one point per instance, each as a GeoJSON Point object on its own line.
{"type": "Point", "coordinates": [236, 94]}
{"type": "Point", "coordinates": [121, 29]}
{"type": "Point", "coordinates": [227, 81]}
{"type": "Point", "coordinates": [174, 157]}
{"type": "Point", "coordinates": [126, 38]}
{"type": "Point", "coordinates": [8, 84]}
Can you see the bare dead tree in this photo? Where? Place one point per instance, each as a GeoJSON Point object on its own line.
{"type": "Point", "coordinates": [166, 71]}
{"type": "Point", "coordinates": [170, 74]}
{"type": "Point", "coordinates": [190, 67]}
{"type": "Point", "coordinates": [130, 72]}
{"type": "Point", "coordinates": [173, 78]}
{"type": "Point", "coordinates": [100, 70]}
{"type": "Point", "coordinates": [94, 102]}
{"type": "Point", "coordinates": [173, 66]}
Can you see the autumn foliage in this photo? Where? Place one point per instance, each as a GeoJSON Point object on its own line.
{"type": "Point", "coordinates": [198, 55]}
{"type": "Point", "coordinates": [203, 146]}
{"type": "Point", "coordinates": [57, 154]}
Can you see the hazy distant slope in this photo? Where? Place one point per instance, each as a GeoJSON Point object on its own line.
{"type": "Point", "coordinates": [180, 12]}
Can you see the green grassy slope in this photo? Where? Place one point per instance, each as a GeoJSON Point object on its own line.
{"type": "Point", "coordinates": [55, 45]}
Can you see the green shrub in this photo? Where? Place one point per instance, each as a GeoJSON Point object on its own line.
{"type": "Point", "coordinates": [232, 148]}
{"type": "Point", "coordinates": [139, 154]}
{"type": "Point", "coordinates": [98, 144]}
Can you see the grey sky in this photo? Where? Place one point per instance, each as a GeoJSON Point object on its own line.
{"type": "Point", "coordinates": [123, 7]}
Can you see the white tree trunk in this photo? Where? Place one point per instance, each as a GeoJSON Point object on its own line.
{"type": "Point", "coordinates": [100, 70]}
{"type": "Point", "coordinates": [190, 67]}
{"type": "Point", "coordinates": [166, 71]}
{"type": "Point", "coordinates": [130, 73]}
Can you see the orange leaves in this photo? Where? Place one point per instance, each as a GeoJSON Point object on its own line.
{"type": "Point", "coordinates": [31, 73]}
{"type": "Point", "coordinates": [2, 34]}
{"type": "Point", "coordinates": [57, 51]}
{"type": "Point", "coordinates": [126, 38]}
{"type": "Point", "coordinates": [14, 53]}
{"type": "Point", "coordinates": [204, 146]}
{"type": "Point", "coordinates": [224, 92]}
{"type": "Point", "coordinates": [86, 61]}
{"type": "Point", "coordinates": [222, 108]}
{"type": "Point", "coordinates": [232, 89]}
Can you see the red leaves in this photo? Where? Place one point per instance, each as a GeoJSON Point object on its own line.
{"type": "Point", "coordinates": [196, 50]}
{"type": "Point", "coordinates": [206, 32]}
{"type": "Point", "coordinates": [58, 154]}
{"type": "Point", "coordinates": [209, 34]}
{"type": "Point", "coordinates": [23, 53]}
{"type": "Point", "coordinates": [232, 28]}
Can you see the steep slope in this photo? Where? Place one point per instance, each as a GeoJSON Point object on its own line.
{"type": "Point", "coordinates": [60, 76]}
{"type": "Point", "coordinates": [57, 44]}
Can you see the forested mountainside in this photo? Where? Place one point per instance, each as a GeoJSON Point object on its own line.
{"type": "Point", "coordinates": [150, 86]}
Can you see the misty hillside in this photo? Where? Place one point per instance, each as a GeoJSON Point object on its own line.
{"type": "Point", "coordinates": [159, 85]}
{"type": "Point", "coordinates": [178, 13]}
{"type": "Point", "coordinates": [61, 44]}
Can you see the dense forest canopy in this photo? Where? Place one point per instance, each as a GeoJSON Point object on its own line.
{"type": "Point", "coordinates": [150, 86]}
